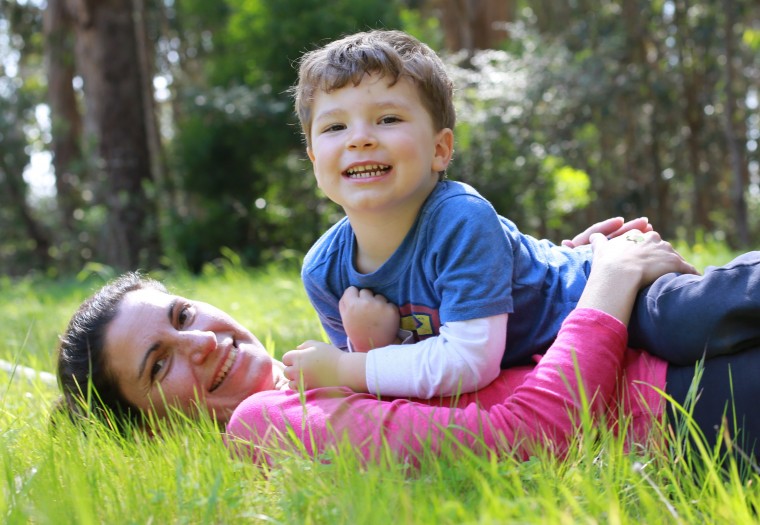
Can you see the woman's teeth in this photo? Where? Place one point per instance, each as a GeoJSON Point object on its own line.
{"type": "Point", "coordinates": [225, 368]}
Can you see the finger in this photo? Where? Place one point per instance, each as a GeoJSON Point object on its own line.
{"type": "Point", "coordinates": [597, 239]}
{"type": "Point", "coordinates": [351, 292]}
{"type": "Point", "coordinates": [652, 236]}
{"type": "Point", "coordinates": [641, 224]}
{"type": "Point", "coordinates": [688, 268]}
{"type": "Point", "coordinates": [606, 227]}
{"type": "Point", "coordinates": [287, 359]}
{"type": "Point", "coordinates": [306, 344]}
{"type": "Point", "coordinates": [366, 293]}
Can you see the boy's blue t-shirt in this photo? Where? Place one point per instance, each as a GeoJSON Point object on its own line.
{"type": "Point", "coordinates": [460, 261]}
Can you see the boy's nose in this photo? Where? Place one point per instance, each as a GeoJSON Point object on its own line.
{"type": "Point", "coordinates": [361, 138]}
{"type": "Point", "coordinates": [198, 345]}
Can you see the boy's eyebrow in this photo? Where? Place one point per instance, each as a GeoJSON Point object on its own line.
{"type": "Point", "coordinates": [378, 104]}
{"type": "Point", "coordinates": [329, 114]}
{"type": "Point", "coordinates": [155, 346]}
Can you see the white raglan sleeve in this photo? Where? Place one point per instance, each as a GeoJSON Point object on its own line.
{"type": "Point", "coordinates": [464, 357]}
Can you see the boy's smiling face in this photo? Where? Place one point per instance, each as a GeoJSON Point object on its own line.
{"type": "Point", "coordinates": [374, 148]}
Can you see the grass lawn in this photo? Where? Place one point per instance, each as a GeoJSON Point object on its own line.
{"type": "Point", "coordinates": [188, 476]}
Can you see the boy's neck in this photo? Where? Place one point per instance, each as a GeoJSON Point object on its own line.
{"type": "Point", "coordinates": [378, 236]}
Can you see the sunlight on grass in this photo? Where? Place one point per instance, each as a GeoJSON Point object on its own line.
{"type": "Point", "coordinates": [187, 475]}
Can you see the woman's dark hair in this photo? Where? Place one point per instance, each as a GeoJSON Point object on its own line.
{"type": "Point", "coordinates": [87, 385]}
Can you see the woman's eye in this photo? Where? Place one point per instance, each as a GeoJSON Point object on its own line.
{"type": "Point", "coordinates": [156, 368]}
{"type": "Point", "coordinates": [184, 316]}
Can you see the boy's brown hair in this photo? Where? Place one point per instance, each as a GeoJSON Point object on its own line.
{"type": "Point", "coordinates": [392, 54]}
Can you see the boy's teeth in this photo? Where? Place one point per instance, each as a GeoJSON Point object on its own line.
{"type": "Point", "coordinates": [365, 172]}
{"type": "Point", "coordinates": [225, 368]}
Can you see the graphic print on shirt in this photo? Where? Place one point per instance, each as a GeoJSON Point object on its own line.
{"type": "Point", "coordinates": [422, 321]}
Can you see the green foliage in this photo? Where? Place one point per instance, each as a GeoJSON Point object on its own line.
{"type": "Point", "coordinates": [571, 192]}
{"type": "Point", "coordinates": [21, 89]}
{"type": "Point", "coordinates": [425, 28]}
{"type": "Point", "coordinates": [238, 149]}
{"type": "Point", "coordinates": [632, 99]}
{"type": "Point", "coordinates": [751, 38]}
{"type": "Point", "coordinates": [272, 35]}
{"type": "Point", "coordinates": [634, 96]}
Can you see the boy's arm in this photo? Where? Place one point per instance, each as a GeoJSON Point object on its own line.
{"type": "Point", "coordinates": [315, 364]}
{"type": "Point", "coordinates": [464, 357]}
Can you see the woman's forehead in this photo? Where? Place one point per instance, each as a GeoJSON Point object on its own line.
{"type": "Point", "coordinates": [145, 301]}
{"type": "Point", "coordinates": [140, 313]}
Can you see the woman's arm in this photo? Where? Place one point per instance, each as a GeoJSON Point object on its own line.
{"type": "Point", "coordinates": [542, 411]}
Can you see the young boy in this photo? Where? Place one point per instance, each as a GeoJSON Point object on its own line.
{"type": "Point", "coordinates": [377, 113]}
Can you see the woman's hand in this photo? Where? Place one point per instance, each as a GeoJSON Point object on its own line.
{"type": "Point", "coordinates": [610, 228]}
{"type": "Point", "coordinates": [641, 256]}
{"type": "Point", "coordinates": [315, 364]}
{"type": "Point", "coordinates": [369, 320]}
{"type": "Point", "coordinates": [623, 265]}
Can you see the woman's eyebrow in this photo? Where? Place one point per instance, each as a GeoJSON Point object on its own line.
{"type": "Point", "coordinates": [155, 346]}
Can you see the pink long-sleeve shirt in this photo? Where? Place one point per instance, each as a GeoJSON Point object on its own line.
{"type": "Point", "coordinates": [523, 408]}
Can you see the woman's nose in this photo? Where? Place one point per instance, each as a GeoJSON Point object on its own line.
{"type": "Point", "coordinates": [198, 345]}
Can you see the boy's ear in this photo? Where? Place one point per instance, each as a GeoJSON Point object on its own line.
{"type": "Point", "coordinates": [444, 149]}
{"type": "Point", "coordinates": [310, 153]}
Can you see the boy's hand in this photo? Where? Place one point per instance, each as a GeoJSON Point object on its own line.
{"type": "Point", "coordinates": [369, 320]}
{"type": "Point", "coordinates": [316, 364]}
{"type": "Point", "coordinates": [610, 228]}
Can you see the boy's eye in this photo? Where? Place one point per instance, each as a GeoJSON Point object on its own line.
{"type": "Point", "coordinates": [333, 128]}
{"type": "Point", "coordinates": [389, 119]}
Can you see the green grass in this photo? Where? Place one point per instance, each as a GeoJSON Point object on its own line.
{"type": "Point", "coordinates": [188, 476]}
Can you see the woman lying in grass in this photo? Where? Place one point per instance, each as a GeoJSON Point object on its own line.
{"type": "Point", "coordinates": [144, 350]}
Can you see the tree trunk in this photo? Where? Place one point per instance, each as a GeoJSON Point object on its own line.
{"type": "Point", "coordinates": [474, 24]}
{"type": "Point", "coordinates": [693, 115]}
{"type": "Point", "coordinates": [108, 59]}
{"type": "Point", "coordinates": [11, 178]}
{"type": "Point", "coordinates": [64, 113]}
{"type": "Point", "coordinates": [739, 168]}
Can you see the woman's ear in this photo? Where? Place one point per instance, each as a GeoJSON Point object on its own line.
{"type": "Point", "coordinates": [444, 149]}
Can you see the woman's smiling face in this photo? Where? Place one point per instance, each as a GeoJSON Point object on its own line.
{"type": "Point", "coordinates": [163, 349]}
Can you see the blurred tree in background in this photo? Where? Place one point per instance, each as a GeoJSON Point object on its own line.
{"type": "Point", "coordinates": [172, 137]}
